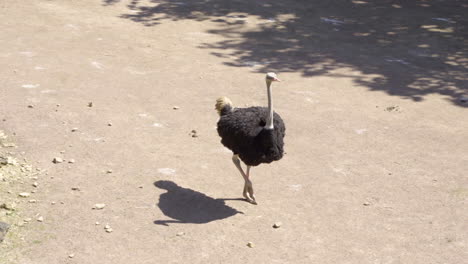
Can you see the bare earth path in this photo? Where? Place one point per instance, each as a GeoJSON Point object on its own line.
{"type": "Point", "coordinates": [377, 150]}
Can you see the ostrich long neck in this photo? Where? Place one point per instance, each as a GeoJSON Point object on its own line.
{"type": "Point", "coordinates": [269, 122]}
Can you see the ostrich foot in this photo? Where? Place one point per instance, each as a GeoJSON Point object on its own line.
{"type": "Point", "coordinates": [248, 192]}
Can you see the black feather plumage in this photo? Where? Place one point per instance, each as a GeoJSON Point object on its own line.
{"type": "Point", "coordinates": [243, 131]}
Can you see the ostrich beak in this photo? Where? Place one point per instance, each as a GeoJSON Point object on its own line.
{"type": "Point", "coordinates": [276, 80]}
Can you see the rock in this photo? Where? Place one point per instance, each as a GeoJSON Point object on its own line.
{"type": "Point", "coordinates": [30, 106]}
{"type": "Point", "coordinates": [32, 201]}
{"type": "Point", "coordinates": [71, 255]}
{"type": "Point", "coordinates": [277, 225]}
{"type": "Point", "coordinates": [250, 244]}
{"type": "Point", "coordinates": [366, 203]}
{"type": "Point", "coordinates": [74, 129]}
{"type": "Point", "coordinates": [99, 206]}
{"type": "Point", "coordinates": [57, 160]}
{"type": "Point", "coordinates": [3, 230]}
{"type": "Point", "coordinates": [27, 220]}
{"type": "Point", "coordinates": [24, 194]}
{"type": "Point", "coordinates": [180, 234]}
{"type": "Point", "coordinates": [71, 161]}
{"type": "Point", "coordinates": [193, 133]}
{"type": "Point", "coordinates": [109, 124]}
{"type": "Point", "coordinates": [175, 107]}
{"type": "Point", "coordinates": [40, 219]}
{"type": "Point", "coordinates": [90, 104]}
{"type": "Point", "coordinates": [35, 184]}
{"type": "Point", "coordinates": [108, 229]}
{"type": "Point", "coordinates": [75, 188]}
{"type": "Point", "coordinates": [97, 223]}
{"type": "Point", "coordinates": [109, 171]}
{"type": "Point", "coordinates": [52, 203]}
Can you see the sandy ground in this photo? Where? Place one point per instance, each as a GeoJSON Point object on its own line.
{"type": "Point", "coordinates": [372, 97]}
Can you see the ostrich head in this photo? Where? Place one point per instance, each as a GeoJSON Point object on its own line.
{"type": "Point", "coordinates": [271, 77]}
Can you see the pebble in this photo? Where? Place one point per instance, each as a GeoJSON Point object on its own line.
{"type": "Point", "coordinates": [180, 234]}
{"type": "Point", "coordinates": [193, 133]}
{"type": "Point", "coordinates": [97, 223]}
{"type": "Point", "coordinates": [71, 255]}
{"type": "Point", "coordinates": [30, 106]}
{"type": "Point", "coordinates": [32, 201]}
{"type": "Point", "coordinates": [109, 124]}
{"type": "Point", "coordinates": [277, 225]}
{"type": "Point", "coordinates": [175, 107]}
{"type": "Point", "coordinates": [250, 244]}
{"type": "Point", "coordinates": [90, 104]}
{"type": "Point", "coordinates": [57, 160]}
{"type": "Point", "coordinates": [109, 171]}
{"type": "Point", "coordinates": [24, 194]}
{"type": "Point", "coordinates": [52, 203]}
{"type": "Point", "coordinates": [108, 229]}
{"type": "Point", "coordinates": [26, 220]}
{"type": "Point", "coordinates": [71, 161]}
{"type": "Point", "coordinates": [74, 129]}
{"type": "Point", "coordinates": [35, 184]}
{"type": "Point", "coordinates": [366, 203]}
{"type": "Point", "coordinates": [99, 206]}
{"type": "Point", "coordinates": [40, 219]}
{"type": "Point", "coordinates": [75, 188]}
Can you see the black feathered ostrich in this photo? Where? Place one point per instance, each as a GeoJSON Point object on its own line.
{"type": "Point", "coordinates": [254, 134]}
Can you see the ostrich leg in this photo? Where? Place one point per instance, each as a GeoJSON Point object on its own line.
{"type": "Point", "coordinates": [249, 187]}
{"type": "Point", "coordinates": [248, 183]}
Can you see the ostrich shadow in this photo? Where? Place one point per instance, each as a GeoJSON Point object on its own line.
{"type": "Point", "coordinates": [186, 206]}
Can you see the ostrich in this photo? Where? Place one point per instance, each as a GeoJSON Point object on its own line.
{"type": "Point", "coordinates": [254, 134]}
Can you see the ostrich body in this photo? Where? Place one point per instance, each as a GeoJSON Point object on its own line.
{"type": "Point", "coordinates": [254, 134]}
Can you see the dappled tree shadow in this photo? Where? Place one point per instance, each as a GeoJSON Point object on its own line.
{"type": "Point", "coordinates": [415, 48]}
{"type": "Point", "coordinates": [188, 206]}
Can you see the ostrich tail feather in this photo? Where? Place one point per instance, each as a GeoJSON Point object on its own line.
{"type": "Point", "coordinates": [223, 105]}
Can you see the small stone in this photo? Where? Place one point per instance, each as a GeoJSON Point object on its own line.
{"type": "Point", "coordinates": [277, 225]}
{"type": "Point", "coordinates": [90, 104]}
{"type": "Point", "coordinates": [30, 106]}
{"type": "Point", "coordinates": [57, 160]}
{"type": "Point", "coordinates": [74, 129]}
{"type": "Point", "coordinates": [250, 244]}
{"type": "Point", "coordinates": [75, 188]}
{"type": "Point", "coordinates": [180, 234]}
{"type": "Point", "coordinates": [366, 203]}
{"type": "Point", "coordinates": [62, 151]}
{"type": "Point", "coordinates": [71, 255]}
{"type": "Point", "coordinates": [109, 124]}
{"type": "Point", "coordinates": [99, 206]}
{"type": "Point", "coordinates": [97, 223]}
{"type": "Point", "coordinates": [32, 201]}
{"type": "Point", "coordinates": [40, 219]}
{"type": "Point", "coordinates": [35, 184]}
{"type": "Point", "coordinates": [175, 107]}
{"type": "Point", "coordinates": [109, 230]}
{"type": "Point", "coordinates": [33, 191]}
{"type": "Point", "coordinates": [141, 186]}
{"type": "Point", "coordinates": [27, 220]}
{"type": "Point", "coordinates": [71, 161]}
{"type": "Point", "coordinates": [24, 194]}
{"type": "Point", "coordinates": [109, 171]}
{"type": "Point", "coordinates": [107, 227]}
{"type": "Point", "coordinates": [52, 203]}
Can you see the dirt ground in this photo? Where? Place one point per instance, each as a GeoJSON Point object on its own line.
{"type": "Point", "coordinates": [372, 96]}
